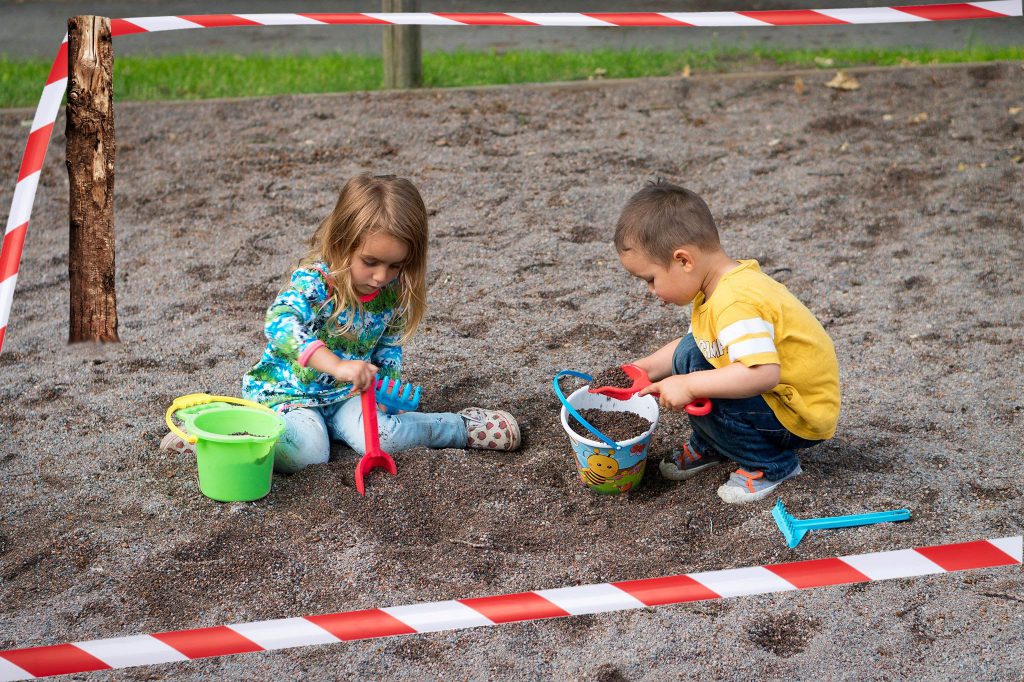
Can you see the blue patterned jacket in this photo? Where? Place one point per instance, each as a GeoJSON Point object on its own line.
{"type": "Point", "coordinates": [296, 326]}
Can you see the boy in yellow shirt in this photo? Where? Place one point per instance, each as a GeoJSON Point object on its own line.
{"type": "Point", "coordinates": [762, 357]}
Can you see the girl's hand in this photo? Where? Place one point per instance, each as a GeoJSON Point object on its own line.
{"type": "Point", "coordinates": [356, 372]}
{"type": "Point", "coordinates": [675, 392]}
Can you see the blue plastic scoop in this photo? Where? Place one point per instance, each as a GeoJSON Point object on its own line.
{"type": "Point", "coordinates": [795, 529]}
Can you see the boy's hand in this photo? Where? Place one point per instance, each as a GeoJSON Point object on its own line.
{"type": "Point", "coordinates": [674, 390]}
{"type": "Point", "coordinates": [356, 372]}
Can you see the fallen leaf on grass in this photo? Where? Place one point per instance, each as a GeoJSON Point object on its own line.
{"type": "Point", "coordinates": [842, 81]}
{"type": "Point", "coordinates": [824, 61]}
{"type": "Point", "coordinates": [798, 86]}
{"type": "Point", "coordinates": [920, 118]}
{"type": "Point", "coordinates": [961, 167]}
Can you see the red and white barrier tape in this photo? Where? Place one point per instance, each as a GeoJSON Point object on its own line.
{"type": "Point", "coordinates": [56, 83]}
{"type": "Point", "coordinates": [224, 640]}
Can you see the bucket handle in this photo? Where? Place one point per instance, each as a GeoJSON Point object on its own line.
{"type": "Point", "coordinates": [572, 410]}
{"type": "Point", "coordinates": [195, 399]}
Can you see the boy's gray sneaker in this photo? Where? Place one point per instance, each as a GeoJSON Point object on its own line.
{"type": "Point", "coordinates": [682, 464]}
{"type": "Point", "coordinates": [749, 486]}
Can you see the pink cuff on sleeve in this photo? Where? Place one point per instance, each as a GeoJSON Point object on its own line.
{"type": "Point", "coordinates": [310, 349]}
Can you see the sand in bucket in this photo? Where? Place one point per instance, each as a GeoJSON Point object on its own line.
{"type": "Point", "coordinates": [602, 468]}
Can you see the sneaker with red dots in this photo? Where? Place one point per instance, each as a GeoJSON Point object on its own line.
{"type": "Point", "coordinates": [490, 429]}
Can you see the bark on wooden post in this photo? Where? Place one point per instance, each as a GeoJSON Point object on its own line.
{"type": "Point", "coordinates": [402, 52]}
{"type": "Point", "coordinates": [90, 161]}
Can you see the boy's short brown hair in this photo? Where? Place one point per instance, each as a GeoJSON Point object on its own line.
{"type": "Point", "coordinates": [662, 217]}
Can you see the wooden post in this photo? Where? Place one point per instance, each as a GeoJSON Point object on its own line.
{"type": "Point", "coordinates": [90, 161]}
{"type": "Point", "coordinates": [402, 52]}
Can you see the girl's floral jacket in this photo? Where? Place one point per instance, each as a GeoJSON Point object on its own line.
{"type": "Point", "coordinates": [295, 327]}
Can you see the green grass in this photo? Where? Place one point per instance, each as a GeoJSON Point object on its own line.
{"type": "Point", "coordinates": [220, 75]}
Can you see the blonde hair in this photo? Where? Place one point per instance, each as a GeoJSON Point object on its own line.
{"type": "Point", "coordinates": [369, 205]}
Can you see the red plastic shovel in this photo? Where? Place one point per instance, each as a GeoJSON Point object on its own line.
{"type": "Point", "coordinates": [698, 408]}
{"type": "Point", "coordinates": [375, 458]}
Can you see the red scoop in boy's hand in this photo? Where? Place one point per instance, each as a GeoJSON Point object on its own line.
{"type": "Point", "coordinates": [642, 385]}
{"type": "Point", "coordinates": [636, 374]}
{"type": "Point", "coordinates": [673, 394]}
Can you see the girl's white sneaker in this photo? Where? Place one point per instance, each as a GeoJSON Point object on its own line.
{"type": "Point", "coordinates": [491, 429]}
{"type": "Point", "coordinates": [172, 442]}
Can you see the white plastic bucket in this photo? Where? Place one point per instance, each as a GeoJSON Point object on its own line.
{"type": "Point", "coordinates": [602, 468]}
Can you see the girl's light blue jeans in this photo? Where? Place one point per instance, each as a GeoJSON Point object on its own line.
{"type": "Point", "coordinates": [309, 431]}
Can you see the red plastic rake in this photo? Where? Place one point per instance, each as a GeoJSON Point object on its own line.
{"type": "Point", "coordinates": [375, 458]}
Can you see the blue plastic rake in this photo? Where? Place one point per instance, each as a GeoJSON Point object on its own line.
{"type": "Point", "coordinates": [397, 395]}
{"type": "Point", "coordinates": [795, 529]}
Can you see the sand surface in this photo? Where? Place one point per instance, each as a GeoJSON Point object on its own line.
{"type": "Point", "coordinates": [893, 212]}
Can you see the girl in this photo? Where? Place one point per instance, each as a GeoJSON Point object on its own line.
{"type": "Point", "coordinates": [356, 297]}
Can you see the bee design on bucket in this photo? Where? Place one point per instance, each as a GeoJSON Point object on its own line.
{"type": "Point", "coordinates": [599, 469]}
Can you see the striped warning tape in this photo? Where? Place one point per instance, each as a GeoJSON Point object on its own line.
{"type": "Point", "coordinates": [224, 640]}
{"type": "Point", "coordinates": [56, 83]}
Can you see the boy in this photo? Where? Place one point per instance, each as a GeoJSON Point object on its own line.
{"type": "Point", "coordinates": [762, 357]}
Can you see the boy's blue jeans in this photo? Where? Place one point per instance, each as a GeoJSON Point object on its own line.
{"type": "Point", "coordinates": [743, 429]}
{"type": "Point", "coordinates": [309, 431]}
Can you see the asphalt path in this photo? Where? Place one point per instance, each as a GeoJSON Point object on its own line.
{"type": "Point", "coordinates": [34, 28]}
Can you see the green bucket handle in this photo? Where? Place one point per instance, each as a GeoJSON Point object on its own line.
{"type": "Point", "coordinates": [197, 399]}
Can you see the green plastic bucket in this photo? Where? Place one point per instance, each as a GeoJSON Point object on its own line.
{"type": "Point", "coordinates": [234, 449]}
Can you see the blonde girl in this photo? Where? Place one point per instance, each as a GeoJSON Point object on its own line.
{"type": "Point", "coordinates": [355, 298]}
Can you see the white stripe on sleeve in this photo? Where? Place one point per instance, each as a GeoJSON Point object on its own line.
{"type": "Point", "coordinates": [750, 347]}
{"type": "Point", "coordinates": [753, 325]}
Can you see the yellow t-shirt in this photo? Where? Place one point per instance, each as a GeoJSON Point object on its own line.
{"type": "Point", "coordinates": [753, 319]}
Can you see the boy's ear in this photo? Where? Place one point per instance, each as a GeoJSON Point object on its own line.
{"type": "Point", "coordinates": [684, 257]}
